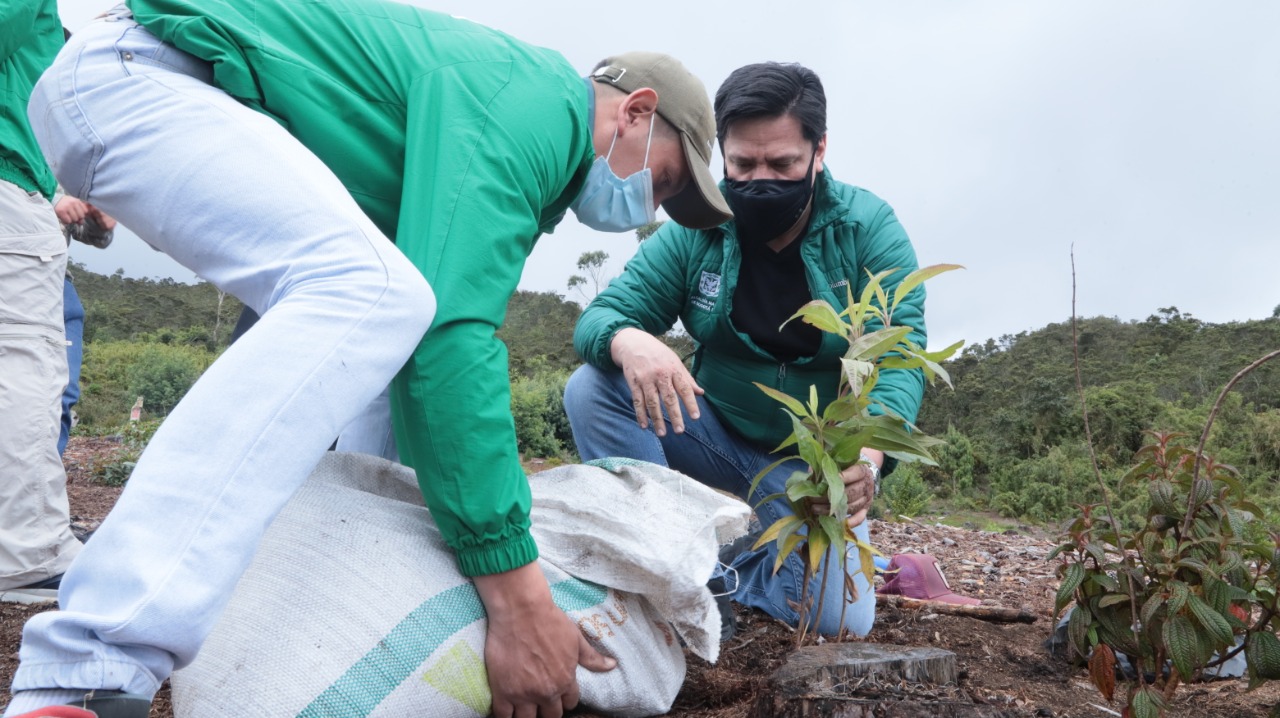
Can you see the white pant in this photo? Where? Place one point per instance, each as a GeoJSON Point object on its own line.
{"type": "Point", "coordinates": [35, 536]}
{"type": "Point", "coordinates": [132, 125]}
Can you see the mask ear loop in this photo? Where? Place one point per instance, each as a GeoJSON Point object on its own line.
{"type": "Point", "coordinates": [649, 143]}
{"type": "Point", "coordinates": [611, 144]}
{"type": "Point", "coordinates": [725, 569]}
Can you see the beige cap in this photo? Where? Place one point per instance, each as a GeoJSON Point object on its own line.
{"type": "Point", "coordinates": [682, 102]}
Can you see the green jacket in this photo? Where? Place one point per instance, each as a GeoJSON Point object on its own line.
{"type": "Point", "coordinates": [691, 275]}
{"type": "Point", "coordinates": [463, 145]}
{"type": "Point", "coordinates": [30, 36]}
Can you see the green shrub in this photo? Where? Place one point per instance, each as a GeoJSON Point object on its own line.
{"type": "Point", "coordinates": [537, 405]}
{"type": "Point", "coordinates": [162, 376]}
{"type": "Point", "coordinates": [904, 491]}
{"type": "Point", "coordinates": [115, 374]}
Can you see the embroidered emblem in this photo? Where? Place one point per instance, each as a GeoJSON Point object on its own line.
{"type": "Point", "coordinates": [710, 285]}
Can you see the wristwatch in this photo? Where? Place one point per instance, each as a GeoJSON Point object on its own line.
{"type": "Point", "coordinates": [874, 468]}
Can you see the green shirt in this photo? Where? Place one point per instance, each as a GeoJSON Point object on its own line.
{"type": "Point", "coordinates": [463, 145]}
{"type": "Point", "coordinates": [30, 35]}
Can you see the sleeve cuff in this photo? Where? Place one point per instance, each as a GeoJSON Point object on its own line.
{"type": "Point", "coordinates": [497, 557]}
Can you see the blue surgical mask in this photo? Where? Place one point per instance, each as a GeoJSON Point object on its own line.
{"type": "Point", "coordinates": [609, 203]}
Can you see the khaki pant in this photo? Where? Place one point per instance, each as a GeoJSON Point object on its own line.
{"type": "Point", "coordinates": [35, 536]}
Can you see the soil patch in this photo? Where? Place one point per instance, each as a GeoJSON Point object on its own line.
{"type": "Point", "coordinates": [1001, 666]}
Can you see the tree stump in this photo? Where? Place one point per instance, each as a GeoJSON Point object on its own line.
{"type": "Point", "coordinates": [826, 667]}
{"type": "Point", "coordinates": [822, 681]}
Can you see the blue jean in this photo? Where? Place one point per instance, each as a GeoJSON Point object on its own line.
{"type": "Point", "coordinates": [134, 126]}
{"type": "Point", "coordinates": [604, 424]}
{"type": "Point", "coordinates": [73, 322]}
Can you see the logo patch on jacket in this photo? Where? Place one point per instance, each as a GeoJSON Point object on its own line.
{"type": "Point", "coordinates": [709, 285]}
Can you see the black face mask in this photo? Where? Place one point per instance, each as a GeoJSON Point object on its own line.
{"type": "Point", "coordinates": [765, 209]}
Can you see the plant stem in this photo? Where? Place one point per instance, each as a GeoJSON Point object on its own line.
{"type": "Point", "coordinates": [1204, 438]}
{"type": "Point", "coordinates": [1093, 455]}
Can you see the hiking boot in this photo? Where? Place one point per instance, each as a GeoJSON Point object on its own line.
{"type": "Point", "coordinates": [98, 704]}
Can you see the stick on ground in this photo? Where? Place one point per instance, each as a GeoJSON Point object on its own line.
{"type": "Point", "coordinates": [997, 614]}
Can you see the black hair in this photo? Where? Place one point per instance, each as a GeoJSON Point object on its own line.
{"type": "Point", "coordinates": [773, 89]}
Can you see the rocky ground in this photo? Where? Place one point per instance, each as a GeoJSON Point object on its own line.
{"type": "Point", "coordinates": [1003, 667]}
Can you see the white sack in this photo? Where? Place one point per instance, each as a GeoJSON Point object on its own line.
{"type": "Point", "coordinates": [354, 606]}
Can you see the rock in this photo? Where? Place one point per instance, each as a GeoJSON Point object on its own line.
{"type": "Point", "coordinates": [948, 541]}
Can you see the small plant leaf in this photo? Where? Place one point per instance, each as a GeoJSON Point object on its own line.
{"type": "Point", "coordinates": [818, 545]}
{"type": "Point", "coordinates": [1097, 552]}
{"type": "Point", "coordinates": [1106, 582]}
{"type": "Point", "coordinates": [1071, 579]}
{"type": "Point", "coordinates": [1112, 600]}
{"type": "Point", "coordinates": [755, 483]}
{"type": "Point", "coordinates": [1149, 609]}
{"type": "Point", "coordinates": [856, 372]}
{"type": "Point", "coordinates": [785, 399]}
{"type": "Point", "coordinates": [1102, 670]}
{"type": "Point", "coordinates": [1146, 703]}
{"type": "Point", "coordinates": [820, 314]}
{"type": "Point", "coordinates": [1263, 654]}
{"type": "Point", "coordinates": [1178, 595]}
{"type": "Point", "coordinates": [776, 528]}
{"type": "Point", "coordinates": [789, 547]}
{"type": "Point", "coordinates": [1180, 638]}
{"type": "Point", "coordinates": [918, 277]}
{"type": "Point", "coordinates": [1217, 626]}
{"type": "Point", "coordinates": [1078, 631]}
{"type": "Point", "coordinates": [871, 345]}
{"type": "Point", "coordinates": [805, 490]}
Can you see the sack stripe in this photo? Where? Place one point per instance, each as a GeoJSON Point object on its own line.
{"type": "Point", "coordinates": [380, 671]}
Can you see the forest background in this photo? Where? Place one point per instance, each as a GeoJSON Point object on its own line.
{"type": "Point", "coordinates": [1016, 446]}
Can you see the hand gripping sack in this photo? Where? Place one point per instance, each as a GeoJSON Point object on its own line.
{"type": "Point", "coordinates": [353, 605]}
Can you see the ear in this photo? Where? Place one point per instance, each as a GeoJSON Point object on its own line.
{"type": "Point", "coordinates": [636, 110]}
{"type": "Point", "coordinates": [819, 154]}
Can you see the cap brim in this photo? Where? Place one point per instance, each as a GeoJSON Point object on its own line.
{"type": "Point", "coordinates": [700, 204]}
{"type": "Point", "coordinates": [956, 599]}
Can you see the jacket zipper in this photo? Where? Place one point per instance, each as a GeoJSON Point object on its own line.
{"type": "Point", "coordinates": [782, 375]}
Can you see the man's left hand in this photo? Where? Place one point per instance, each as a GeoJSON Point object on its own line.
{"type": "Point", "coordinates": [859, 489]}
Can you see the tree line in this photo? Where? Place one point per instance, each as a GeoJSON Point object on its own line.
{"type": "Point", "coordinates": [1013, 423]}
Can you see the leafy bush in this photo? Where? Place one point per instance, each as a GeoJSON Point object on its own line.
{"type": "Point", "coordinates": [537, 405]}
{"type": "Point", "coordinates": [115, 374]}
{"type": "Point", "coordinates": [1194, 584]}
{"type": "Point", "coordinates": [162, 376]}
{"type": "Point", "coordinates": [905, 493]}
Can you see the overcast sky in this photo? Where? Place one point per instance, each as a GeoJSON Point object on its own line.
{"type": "Point", "coordinates": [1147, 134]}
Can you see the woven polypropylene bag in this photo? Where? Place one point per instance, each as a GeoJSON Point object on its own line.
{"type": "Point", "coordinates": [354, 606]}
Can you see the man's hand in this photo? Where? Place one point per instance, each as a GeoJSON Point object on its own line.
{"type": "Point", "coordinates": [104, 220]}
{"type": "Point", "coordinates": [533, 649]}
{"type": "Point", "coordinates": [859, 489]}
{"type": "Point", "coordinates": [71, 210]}
{"type": "Point", "coordinates": [657, 378]}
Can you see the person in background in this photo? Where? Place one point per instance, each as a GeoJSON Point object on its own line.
{"type": "Point", "coordinates": [798, 234]}
{"type": "Point", "coordinates": [370, 182]}
{"type": "Point", "coordinates": [36, 543]}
